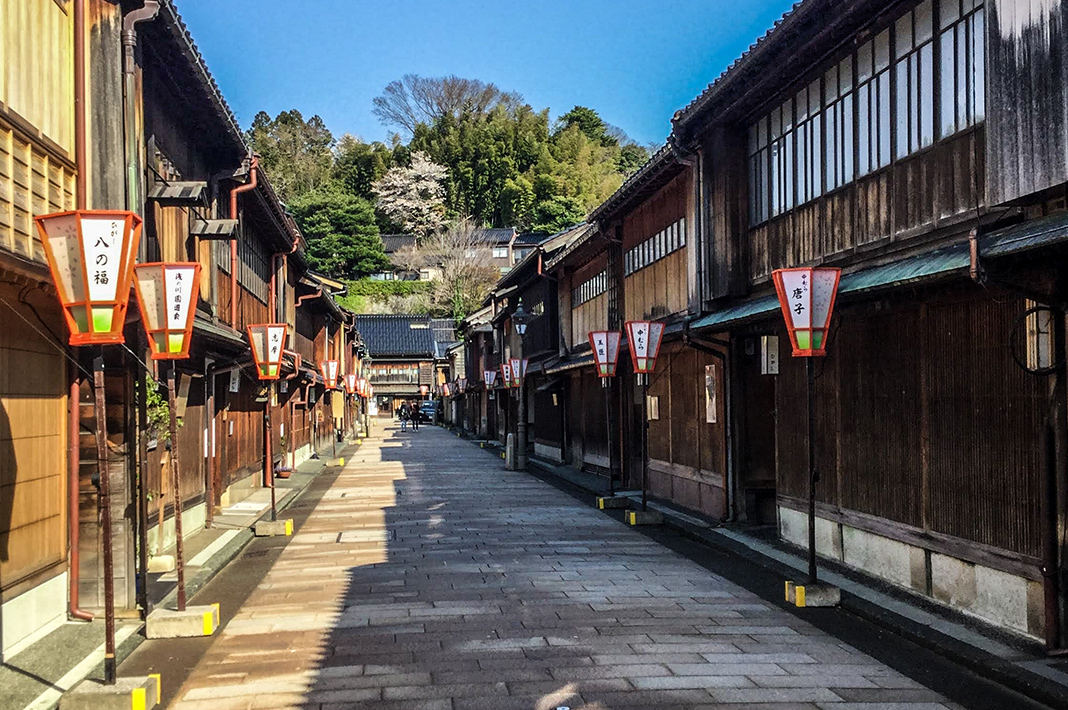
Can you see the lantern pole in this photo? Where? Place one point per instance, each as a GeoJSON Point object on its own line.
{"type": "Point", "coordinates": [813, 474]}
{"type": "Point", "coordinates": [643, 380]}
{"type": "Point", "coordinates": [172, 405]}
{"type": "Point", "coordinates": [104, 501]}
{"type": "Point", "coordinates": [606, 386]}
{"type": "Point", "coordinates": [268, 462]}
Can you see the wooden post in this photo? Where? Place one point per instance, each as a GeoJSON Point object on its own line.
{"type": "Point", "coordinates": [104, 503]}
{"type": "Point", "coordinates": [176, 477]}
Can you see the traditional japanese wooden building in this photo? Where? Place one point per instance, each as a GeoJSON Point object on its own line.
{"type": "Point", "coordinates": [918, 147]}
{"type": "Point", "coordinates": [402, 354]}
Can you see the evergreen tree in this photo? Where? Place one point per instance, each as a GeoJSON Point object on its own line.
{"type": "Point", "coordinates": [342, 234]}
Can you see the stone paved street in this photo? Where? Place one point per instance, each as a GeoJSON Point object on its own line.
{"type": "Point", "coordinates": [428, 577]}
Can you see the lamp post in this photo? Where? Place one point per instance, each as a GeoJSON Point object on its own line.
{"type": "Point", "coordinates": [806, 297]}
{"type": "Point", "coordinates": [268, 341]}
{"type": "Point", "coordinates": [643, 337]}
{"type": "Point", "coordinates": [167, 293]}
{"type": "Point", "coordinates": [605, 346]}
{"type": "Point", "coordinates": [521, 318]}
{"type": "Point", "coordinates": [90, 255]}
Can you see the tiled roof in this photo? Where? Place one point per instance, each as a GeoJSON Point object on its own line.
{"type": "Point", "coordinates": [201, 67]}
{"type": "Point", "coordinates": [392, 243]}
{"type": "Point", "coordinates": [691, 109]}
{"type": "Point", "coordinates": [497, 235]}
{"type": "Point", "coordinates": [396, 335]}
{"type": "Point", "coordinates": [531, 238]}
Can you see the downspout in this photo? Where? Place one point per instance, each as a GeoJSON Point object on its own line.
{"type": "Point", "coordinates": [129, 101]}
{"type": "Point", "coordinates": [73, 415]}
{"type": "Point", "coordinates": [302, 299]}
{"type": "Point", "coordinates": [250, 185]}
{"type": "Point", "coordinates": [274, 272]}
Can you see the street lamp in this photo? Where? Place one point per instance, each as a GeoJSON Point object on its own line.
{"type": "Point", "coordinates": [90, 255]}
{"type": "Point", "coordinates": [268, 341]}
{"type": "Point", "coordinates": [328, 369]}
{"type": "Point", "coordinates": [643, 338]}
{"type": "Point", "coordinates": [807, 297]}
{"type": "Point", "coordinates": [605, 347]}
{"type": "Point", "coordinates": [521, 318]}
{"type": "Point", "coordinates": [168, 293]}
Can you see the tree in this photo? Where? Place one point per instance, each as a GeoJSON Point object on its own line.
{"type": "Point", "coordinates": [408, 259]}
{"type": "Point", "coordinates": [467, 269]}
{"type": "Point", "coordinates": [297, 154]}
{"type": "Point", "coordinates": [413, 197]}
{"type": "Point", "coordinates": [342, 234]}
{"type": "Point", "coordinates": [589, 122]}
{"type": "Point", "coordinates": [358, 165]}
{"type": "Point", "coordinates": [414, 99]}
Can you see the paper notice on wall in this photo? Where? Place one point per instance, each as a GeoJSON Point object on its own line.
{"type": "Point", "coordinates": [710, 395]}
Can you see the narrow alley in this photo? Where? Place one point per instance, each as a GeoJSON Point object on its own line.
{"type": "Point", "coordinates": [424, 575]}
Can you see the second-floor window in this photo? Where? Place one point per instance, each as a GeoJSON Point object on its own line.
{"type": "Point", "coordinates": [395, 374]}
{"type": "Point", "coordinates": [589, 289]}
{"type": "Point", "coordinates": [500, 252]}
{"type": "Point", "coordinates": [665, 242]}
{"type": "Point", "coordinates": [920, 80]}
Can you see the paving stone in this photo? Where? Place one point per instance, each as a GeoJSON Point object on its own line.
{"type": "Point", "coordinates": [458, 585]}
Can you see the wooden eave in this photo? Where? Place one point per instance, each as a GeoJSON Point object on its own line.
{"type": "Point", "coordinates": [813, 33]}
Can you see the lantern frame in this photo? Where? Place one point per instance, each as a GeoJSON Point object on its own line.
{"type": "Point", "coordinates": [329, 370]}
{"type": "Point", "coordinates": [644, 363]}
{"type": "Point", "coordinates": [150, 301]}
{"type": "Point", "coordinates": [350, 383]}
{"type": "Point", "coordinates": [74, 292]}
{"type": "Point", "coordinates": [506, 375]}
{"type": "Point", "coordinates": [605, 345]}
{"type": "Point", "coordinates": [519, 371]}
{"type": "Point", "coordinates": [361, 386]}
{"type": "Point", "coordinates": [264, 365]}
{"type": "Point", "coordinates": [489, 377]}
{"type": "Point", "coordinates": [814, 291]}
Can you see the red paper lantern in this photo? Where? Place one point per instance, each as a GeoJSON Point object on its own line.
{"type": "Point", "coordinates": [268, 341]}
{"type": "Point", "coordinates": [807, 297]}
{"type": "Point", "coordinates": [644, 337]}
{"type": "Point", "coordinates": [90, 254]}
{"type": "Point", "coordinates": [328, 369]}
{"type": "Point", "coordinates": [605, 345]}
{"type": "Point", "coordinates": [168, 294]}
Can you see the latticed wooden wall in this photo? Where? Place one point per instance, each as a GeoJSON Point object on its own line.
{"type": "Point", "coordinates": [32, 181]}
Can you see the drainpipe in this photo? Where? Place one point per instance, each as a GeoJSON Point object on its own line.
{"type": "Point", "coordinates": [129, 103]}
{"type": "Point", "coordinates": [302, 299]}
{"type": "Point", "coordinates": [250, 185]}
{"type": "Point", "coordinates": [73, 427]}
{"type": "Point", "coordinates": [73, 465]}
{"type": "Point", "coordinates": [274, 271]}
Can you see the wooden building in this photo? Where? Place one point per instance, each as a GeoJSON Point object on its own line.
{"type": "Point", "coordinates": [921, 148]}
{"type": "Point", "coordinates": [402, 355]}
{"type": "Point", "coordinates": [39, 173]}
{"type": "Point", "coordinates": [154, 136]}
{"type": "Point", "coordinates": [479, 418]}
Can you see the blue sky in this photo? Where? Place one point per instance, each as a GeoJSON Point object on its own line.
{"type": "Point", "coordinates": [635, 61]}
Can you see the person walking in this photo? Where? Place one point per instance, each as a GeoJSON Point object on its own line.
{"type": "Point", "coordinates": [416, 413]}
{"type": "Point", "coordinates": [405, 413]}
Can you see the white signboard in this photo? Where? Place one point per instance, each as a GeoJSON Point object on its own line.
{"type": "Point", "coordinates": [769, 355]}
{"type": "Point", "coordinates": [275, 342]}
{"type": "Point", "coordinates": [179, 290]}
{"type": "Point", "coordinates": [235, 380]}
{"type": "Point", "coordinates": [102, 243]}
